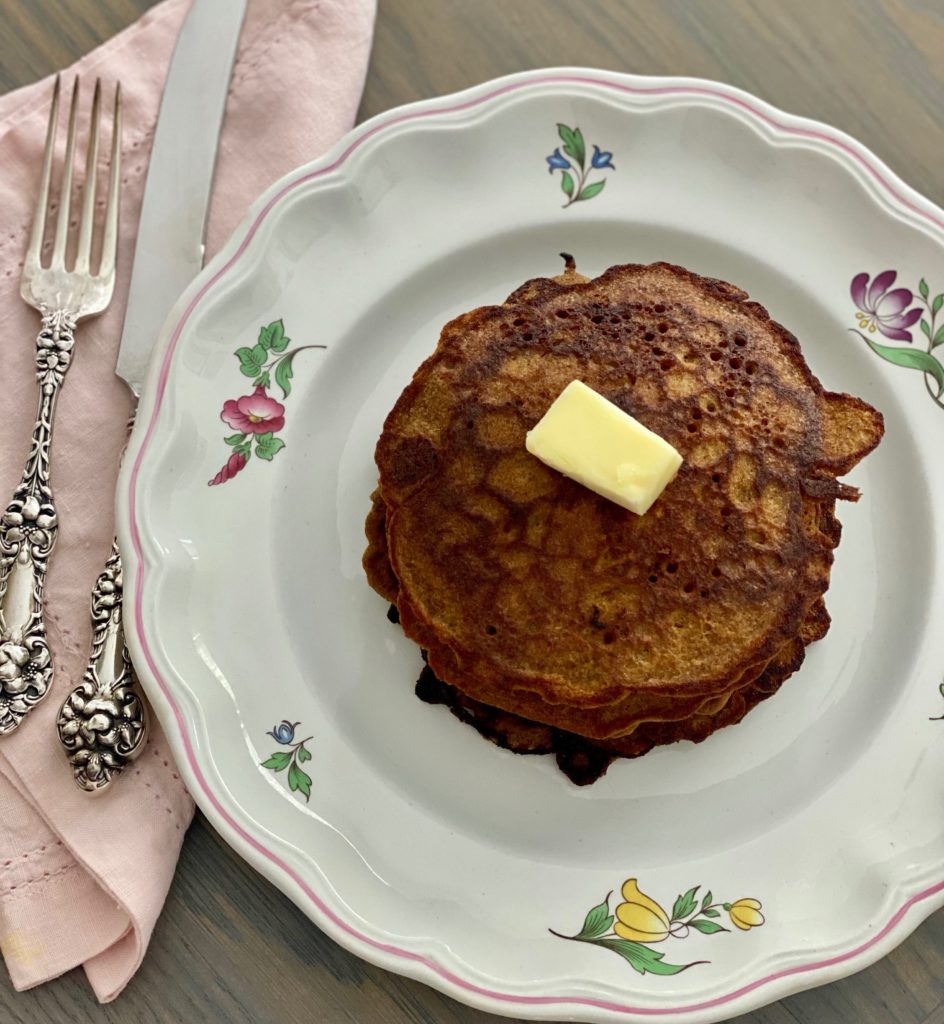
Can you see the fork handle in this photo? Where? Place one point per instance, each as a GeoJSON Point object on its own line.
{"type": "Point", "coordinates": [102, 723]}
{"type": "Point", "coordinates": [28, 531]}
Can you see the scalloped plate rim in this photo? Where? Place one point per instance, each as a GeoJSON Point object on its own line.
{"type": "Point", "coordinates": [896, 197]}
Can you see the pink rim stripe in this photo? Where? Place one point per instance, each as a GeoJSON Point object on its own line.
{"type": "Point", "coordinates": [405, 954]}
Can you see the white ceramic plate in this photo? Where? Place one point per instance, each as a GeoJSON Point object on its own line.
{"type": "Point", "coordinates": [816, 822]}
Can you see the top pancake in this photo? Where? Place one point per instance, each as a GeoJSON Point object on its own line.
{"type": "Point", "coordinates": [531, 592]}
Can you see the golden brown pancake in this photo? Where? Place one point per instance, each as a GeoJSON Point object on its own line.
{"type": "Point", "coordinates": [583, 760]}
{"type": "Point", "coordinates": [532, 594]}
{"type": "Point", "coordinates": [670, 709]}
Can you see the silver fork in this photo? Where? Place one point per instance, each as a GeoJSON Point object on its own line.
{"type": "Point", "coordinates": [29, 526]}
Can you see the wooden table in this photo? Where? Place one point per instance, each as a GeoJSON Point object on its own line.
{"type": "Point", "coordinates": [229, 947]}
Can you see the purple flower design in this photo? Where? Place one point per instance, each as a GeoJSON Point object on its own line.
{"type": "Point", "coordinates": [883, 309]}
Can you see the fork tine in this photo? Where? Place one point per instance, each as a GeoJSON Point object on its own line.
{"type": "Point", "coordinates": [83, 253]}
{"type": "Point", "coordinates": [110, 238]}
{"type": "Point", "coordinates": [62, 219]}
{"type": "Point", "coordinates": [34, 252]}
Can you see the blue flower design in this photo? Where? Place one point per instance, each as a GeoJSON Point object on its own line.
{"type": "Point", "coordinates": [290, 761]}
{"type": "Point", "coordinates": [556, 162]}
{"type": "Point", "coordinates": [576, 170]}
{"type": "Point", "coordinates": [283, 733]}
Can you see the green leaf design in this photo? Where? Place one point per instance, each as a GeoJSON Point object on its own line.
{"type": "Point", "coordinates": [262, 381]}
{"type": "Point", "coordinates": [284, 372]}
{"type": "Point", "coordinates": [912, 358]}
{"type": "Point", "coordinates": [598, 920]}
{"type": "Point", "coordinates": [268, 446]}
{"type": "Point", "coordinates": [249, 366]}
{"type": "Point", "coordinates": [707, 900]}
{"type": "Point", "coordinates": [579, 147]}
{"type": "Point", "coordinates": [244, 449]}
{"type": "Point", "coordinates": [567, 184]}
{"type": "Point", "coordinates": [574, 145]}
{"type": "Point", "coordinates": [592, 190]}
{"type": "Point", "coordinates": [706, 927]}
{"type": "Point", "coordinates": [923, 288]}
{"type": "Point", "coordinates": [279, 761]}
{"type": "Point", "coordinates": [938, 338]}
{"type": "Point", "coordinates": [273, 337]}
{"type": "Point", "coordinates": [304, 754]}
{"type": "Point", "coordinates": [235, 438]}
{"type": "Point", "coordinates": [711, 912]}
{"type": "Point", "coordinates": [259, 353]}
{"type": "Point", "coordinates": [642, 958]}
{"type": "Point", "coordinates": [299, 781]}
{"type": "Point", "coordinates": [926, 329]}
{"type": "Point", "coordinates": [684, 905]}
{"type": "Point", "coordinates": [936, 305]}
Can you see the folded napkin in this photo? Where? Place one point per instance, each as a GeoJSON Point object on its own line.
{"type": "Point", "coordinates": [82, 880]}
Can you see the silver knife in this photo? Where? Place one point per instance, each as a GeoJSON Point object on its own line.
{"type": "Point", "coordinates": [102, 723]}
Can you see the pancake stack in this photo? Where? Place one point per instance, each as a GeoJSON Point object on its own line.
{"type": "Point", "coordinates": [558, 622]}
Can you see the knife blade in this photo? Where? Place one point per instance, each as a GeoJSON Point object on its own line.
{"type": "Point", "coordinates": [102, 724]}
{"type": "Point", "coordinates": [172, 227]}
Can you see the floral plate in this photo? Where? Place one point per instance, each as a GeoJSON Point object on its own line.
{"type": "Point", "coordinates": [694, 883]}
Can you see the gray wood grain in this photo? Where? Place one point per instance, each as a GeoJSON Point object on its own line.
{"type": "Point", "coordinates": [229, 947]}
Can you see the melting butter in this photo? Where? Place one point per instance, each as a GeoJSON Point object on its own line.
{"type": "Point", "coordinates": [589, 439]}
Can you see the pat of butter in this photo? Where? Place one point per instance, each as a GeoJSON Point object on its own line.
{"type": "Point", "coordinates": [591, 440]}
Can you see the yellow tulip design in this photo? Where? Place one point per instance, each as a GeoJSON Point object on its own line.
{"type": "Point", "coordinates": [745, 913]}
{"type": "Point", "coordinates": [634, 927]}
{"type": "Point", "coordinates": [640, 918]}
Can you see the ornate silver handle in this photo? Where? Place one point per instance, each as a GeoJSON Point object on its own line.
{"type": "Point", "coordinates": [28, 531]}
{"type": "Point", "coordinates": [102, 723]}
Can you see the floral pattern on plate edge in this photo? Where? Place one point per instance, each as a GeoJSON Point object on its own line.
{"type": "Point", "coordinates": [885, 310]}
{"type": "Point", "coordinates": [574, 171]}
{"type": "Point", "coordinates": [299, 781]}
{"type": "Point", "coordinates": [258, 417]}
{"type": "Point", "coordinates": [893, 313]}
{"type": "Point", "coordinates": [639, 923]}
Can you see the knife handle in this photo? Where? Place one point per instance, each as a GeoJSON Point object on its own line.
{"type": "Point", "coordinates": [28, 530]}
{"type": "Point", "coordinates": [103, 723]}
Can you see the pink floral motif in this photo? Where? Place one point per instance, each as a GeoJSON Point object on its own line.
{"type": "Point", "coordinates": [258, 417]}
{"type": "Point", "coordinates": [234, 464]}
{"type": "Point", "coordinates": [254, 414]}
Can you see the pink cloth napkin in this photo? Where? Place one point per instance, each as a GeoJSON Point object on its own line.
{"type": "Point", "coordinates": [82, 880]}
